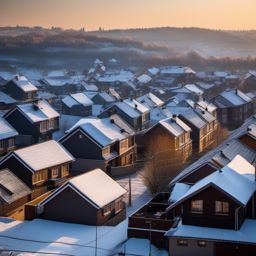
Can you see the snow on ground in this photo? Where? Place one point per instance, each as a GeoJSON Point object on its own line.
{"type": "Point", "coordinates": [57, 238]}
{"type": "Point", "coordinates": [140, 193]}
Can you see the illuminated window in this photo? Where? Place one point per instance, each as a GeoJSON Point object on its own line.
{"type": "Point", "coordinates": [106, 151]}
{"type": "Point", "coordinates": [221, 208]}
{"type": "Point", "coordinates": [55, 172]}
{"type": "Point", "coordinates": [201, 243]}
{"type": "Point", "coordinates": [197, 206]}
{"type": "Point", "coordinates": [182, 242]}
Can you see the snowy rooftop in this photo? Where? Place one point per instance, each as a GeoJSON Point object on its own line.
{"type": "Point", "coordinates": [193, 88]}
{"type": "Point", "coordinates": [226, 180]}
{"type": "Point", "coordinates": [150, 100]}
{"type": "Point", "coordinates": [175, 126]}
{"type": "Point", "coordinates": [23, 83]}
{"type": "Point", "coordinates": [179, 190]}
{"type": "Point", "coordinates": [177, 70]}
{"type": "Point", "coordinates": [37, 112]}
{"type": "Point", "coordinates": [111, 77]}
{"type": "Point", "coordinates": [6, 130]}
{"type": "Point", "coordinates": [153, 71]}
{"type": "Point", "coordinates": [6, 98]}
{"type": "Point", "coordinates": [232, 98]}
{"type": "Point", "coordinates": [191, 116]}
{"type": "Point", "coordinates": [90, 87]}
{"type": "Point", "coordinates": [209, 118]}
{"type": "Point", "coordinates": [158, 114]}
{"type": "Point", "coordinates": [144, 79]}
{"type": "Point", "coordinates": [11, 187]}
{"type": "Point", "coordinates": [244, 235]}
{"type": "Point", "coordinates": [77, 99]}
{"type": "Point", "coordinates": [130, 111]}
{"type": "Point", "coordinates": [57, 73]}
{"type": "Point", "coordinates": [136, 105]}
{"type": "Point", "coordinates": [95, 186]}
{"type": "Point", "coordinates": [107, 97]}
{"type": "Point", "coordinates": [43, 155]}
{"type": "Point", "coordinates": [206, 105]}
{"type": "Point", "coordinates": [103, 131]}
{"type": "Point", "coordinates": [45, 95]}
{"type": "Point", "coordinates": [251, 130]}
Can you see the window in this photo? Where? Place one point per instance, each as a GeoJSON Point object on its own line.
{"type": "Point", "coordinates": [39, 176]}
{"type": "Point", "coordinates": [2, 144]}
{"type": "Point", "coordinates": [197, 206]}
{"type": "Point", "coordinates": [182, 242]}
{"type": "Point", "coordinates": [123, 145]}
{"type": "Point", "coordinates": [64, 170]}
{"type": "Point", "coordinates": [118, 205]}
{"type": "Point", "coordinates": [55, 172]}
{"type": "Point", "coordinates": [144, 118]}
{"type": "Point", "coordinates": [201, 243]}
{"type": "Point", "coordinates": [51, 124]}
{"type": "Point", "coordinates": [221, 208]}
{"type": "Point", "coordinates": [43, 126]}
{"type": "Point", "coordinates": [106, 151]}
{"type": "Point", "coordinates": [106, 209]}
{"type": "Point", "coordinates": [11, 143]}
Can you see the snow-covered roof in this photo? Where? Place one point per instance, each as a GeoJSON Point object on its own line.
{"type": "Point", "coordinates": [97, 109]}
{"type": "Point", "coordinates": [209, 118]}
{"type": "Point", "coordinates": [153, 71]}
{"type": "Point", "coordinates": [175, 126]}
{"type": "Point", "coordinates": [220, 74]}
{"type": "Point", "coordinates": [238, 187]}
{"type": "Point", "coordinates": [6, 98]}
{"type": "Point", "coordinates": [243, 167]}
{"type": "Point", "coordinates": [103, 131]}
{"type": "Point", "coordinates": [106, 96]}
{"type": "Point", "coordinates": [179, 190]}
{"type": "Point", "coordinates": [98, 62]}
{"type": "Point", "coordinates": [158, 114]}
{"type": "Point", "coordinates": [94, 186]}
{"type": "Point", "coordinates": [244, 235]}
{"type": "Point", "coordinates": [77, 99]}
{"type": "Point", "coordinates": [39, 111]}
{"type": "Point", "coordinates": [144, 79]}
{"type": "Point", "coordinates": [114, 93]}
{"type": "Point", "coordinates": [193, 88]}
{"type": "Point", "coordinates": [11, 187]}
{"type": "Point", "coordinates": [57, 73]}
{"type": "Point", "coordinates": [90, 87]}
{"type": "Point", "coordinates": [150, 100]}
{"type": "Point", "coordinates": [191, 116]}
{"type": "Point", "coordinates": [111, 77]}
{"type": "Point", "coordinates": [127, 109]}
{"type": "Point", "coordinates": [136, 105]}
{"type": "Point", "coordinates": [176, 70]}
{"type": "Point", "coordinates": [41, 156]}
{"type": "Point", "coordinates": [6, 130]}
{"type": "Point", "coordinates": [56, 82]}
{"type": "Point", "coordinates": [23, 83]}
{"type": "Point", "coordinates": [210, 107]}
{"type": "Point", "coordinates": [232, 98]}
{"type": "Point", "coordinates": [45, 95]}
{"type": "Point", "coordinates": [251, 130]}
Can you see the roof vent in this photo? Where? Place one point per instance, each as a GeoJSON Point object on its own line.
{"type": "Point", "coordinates": [174, 116]}
{"type": "Point", "coordinates": [131, 99]}
{"type": "Point", "coordinates": [135, 105]}
{"type": "Point", "coordinates": [203, 112]}
{"type": "Point", "coordinates": [163, 107]}
{"type": "Point", "coordinates": [112, 121]}
{"type": "Point", "coordinates": [220, 171]}
{"type": "Point", "coordinates": [249, 129]}
{"type": "Point", "coordinates": [35, 106]}
{"type": "Point", "coordinates": [122, 130]}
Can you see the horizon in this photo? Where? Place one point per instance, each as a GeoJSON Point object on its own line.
{"type": "Point", "coordinates": [112, 15]}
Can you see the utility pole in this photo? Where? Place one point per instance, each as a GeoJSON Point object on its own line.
{"type": "Point", "coordinates": [96, 241]}
{"type": "Point", "coordinates": [150, 223]}
{"type": "Point", "coordinates": [130, 191]}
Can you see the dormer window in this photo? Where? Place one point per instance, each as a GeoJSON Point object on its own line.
{"type": "Point", "coordinates": [221, 208]}
{"type": "Point", "coordinates": [197, 206]}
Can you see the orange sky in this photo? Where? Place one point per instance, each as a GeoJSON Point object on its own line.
{"type": "Point", "coordinates": [109, 14]}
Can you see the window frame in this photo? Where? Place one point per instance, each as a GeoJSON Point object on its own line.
{"type": "Point", "coordinates": [222, 205]}
{"type": "Point", "coordinates": [194, 211]}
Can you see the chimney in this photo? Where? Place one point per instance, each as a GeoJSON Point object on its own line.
{"type": "Point", "coordinates": [112, 121]}
{"type": "Point", "coordinates": [35, 106]}
{"type": "Point", "coordinates": [174, 116]}
{"type": "Point", "coordinates": [135, 105]}
{"type": "Point", "coordinates": [122, 130]}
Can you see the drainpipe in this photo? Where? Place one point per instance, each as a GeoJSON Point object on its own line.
{"type": "Point", "coordinates": [236, 217]}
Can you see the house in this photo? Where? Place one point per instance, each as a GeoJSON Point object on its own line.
{"type": "Point", "coordinates": [188, 91]}
{"type": "Point", "coordinates": [133, 112]}
{"type": "Point", "coordinates": [92, 198]}
{"type": "Point", "coordinates": [107, 142]}
{"type": "Point", "coordinates": [7, 137]}
{"type": "Point", "coordinates": [13, 192]}
{"type": "Point", "coordinates": [6, 102]}
{"type": "Point", "coordinates": [218, 213]}
{"type": "Point", "coordinates": [36, 121]}
{"type": "Point", "coordinates": [233, 108]}
{"type": "Point", "coordinates": [103, 98]}
{"type": "Point", "coordinates": [169, 139]}
{"type": "Point", "coordinates": [41, 166]}
{"type": "Point", "coordinates": [248, 82]}
{"type": "Point", "coordinates": [179, 73]}
{"type": "Point", "coordinates": [144, 79]}
{"type": "Point", "coordinates": [203, 125]}
{"type": "Point", "coordinates": [207, 106]}
{"type": "Point", "coordinates": [77, 104]}
{"type": "Point", "coordinates": [150, 101]}
{"type": "Point", "coordinates": [21, 89]}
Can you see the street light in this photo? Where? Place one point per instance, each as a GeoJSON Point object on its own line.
{"type": "Point", "coordinates": [150, 225]}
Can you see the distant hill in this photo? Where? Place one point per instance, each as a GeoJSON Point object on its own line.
{"type": "Point", "coordinates": [42, 47]}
